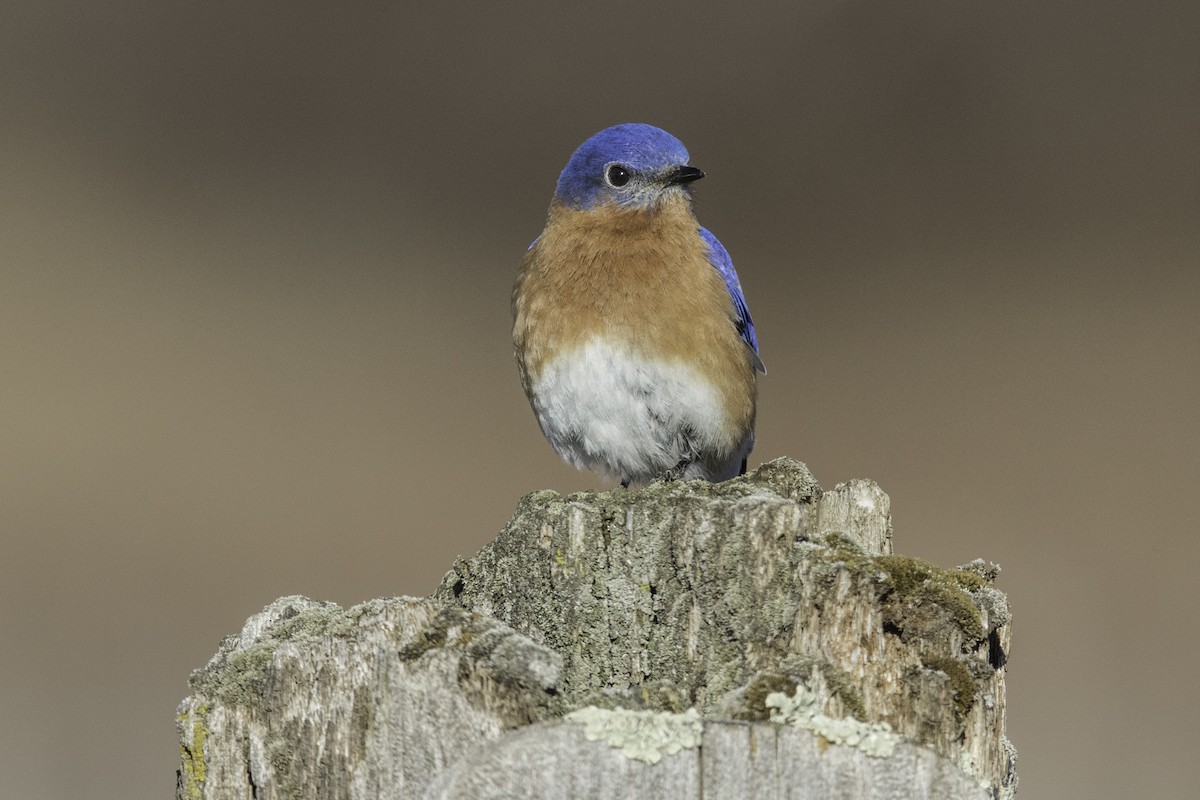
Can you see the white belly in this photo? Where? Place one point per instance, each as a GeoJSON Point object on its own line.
{"type": "Point", "coordinates": [603, 408]}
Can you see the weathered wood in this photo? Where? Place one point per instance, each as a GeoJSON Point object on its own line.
{"type": "Point", "coordinates": [735, 760]}
{"type": "Point", "coordinates": [312, 701]}
{"type": "Point", "coordinates": [758, 599]}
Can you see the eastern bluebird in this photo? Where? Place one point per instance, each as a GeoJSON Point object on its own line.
{"type": "Point", "coordinates": [633, 340]}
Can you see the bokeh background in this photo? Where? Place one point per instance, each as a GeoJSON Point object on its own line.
{"type": "Point", "coordinates": [255, 263]}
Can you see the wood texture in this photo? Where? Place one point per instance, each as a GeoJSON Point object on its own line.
{"type": "Point", "coordinates": [750, 760]}
{"type": "Point", "coordinates": [634, 606]}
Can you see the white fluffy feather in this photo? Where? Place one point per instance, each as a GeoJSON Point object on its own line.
{"type": "Point", "coordinates": [604, 407]}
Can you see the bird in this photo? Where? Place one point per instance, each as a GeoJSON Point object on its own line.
{"type": "Point", "coordinates": [633, 339]}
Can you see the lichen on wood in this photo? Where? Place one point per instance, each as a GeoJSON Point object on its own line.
{"type": "Point", "coordinates": [686, 600]}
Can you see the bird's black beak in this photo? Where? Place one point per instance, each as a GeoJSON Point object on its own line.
{"type": "Point", "coordinates": [684, 174]}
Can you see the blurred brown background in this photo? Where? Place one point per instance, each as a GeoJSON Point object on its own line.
{"type": "Point", "coordinates": [254, 330]}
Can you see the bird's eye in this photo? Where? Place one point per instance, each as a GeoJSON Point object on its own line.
{"type": "Point", "coordinates": [616, 175]}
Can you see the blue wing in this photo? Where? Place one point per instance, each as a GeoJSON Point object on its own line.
{"type": "Point", "coordinates": [719, 258]}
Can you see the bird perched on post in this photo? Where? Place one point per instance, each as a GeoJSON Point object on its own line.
{"type": "Point", "coordinates": [633, 339]}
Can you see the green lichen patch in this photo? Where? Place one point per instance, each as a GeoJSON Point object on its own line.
{"type": "Point", "coordinates": [962, 682]}
{"type": "Point", "coordinates": [845, 553]}
{"type": "Point", "coordinates": [843, 546]}
{"type": "Point", "coordinates": [922, 602]}
{"type": "Point", "coordinates": [920, 597]}
{"type": "Point", "coordinates": [752, 700]}
{"type": "Point", "coordinates": [641, 735]}
{"type": "Point", "coordinates": [241, 674]}
{"type": "Point", "coordinates": [240, 679]}
{"type": "Point", "coordinates": [748, 703]}
{"type": "Point", "coordinates": [967, 581]}
{"type": "Point", "coordinates": [313, 623]}
{"type": "Point", "coordinates": [802, 709]}
{"type": "Point", "coordinates": [986, 570]}
{"type": "Point", "coordinates": [430, 637]}
{"type": "Point", "coordinates": [193, 770]}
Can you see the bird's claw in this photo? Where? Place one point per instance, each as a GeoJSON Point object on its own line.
{"type": "Point", "coordinates": [676, 472]}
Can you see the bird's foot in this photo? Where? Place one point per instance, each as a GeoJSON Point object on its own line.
{"type": "Point", "coordinates": [676, 472]}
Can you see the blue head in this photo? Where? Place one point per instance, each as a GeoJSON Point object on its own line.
{"type": "Point", "coordinates": [631, 165]}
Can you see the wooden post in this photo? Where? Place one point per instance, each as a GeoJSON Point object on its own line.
{"type": "Point", "coordinates": [756, 638]}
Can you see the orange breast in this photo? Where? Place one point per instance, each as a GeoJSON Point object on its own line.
{"type": "Point", "coordinates": [637, 277]}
